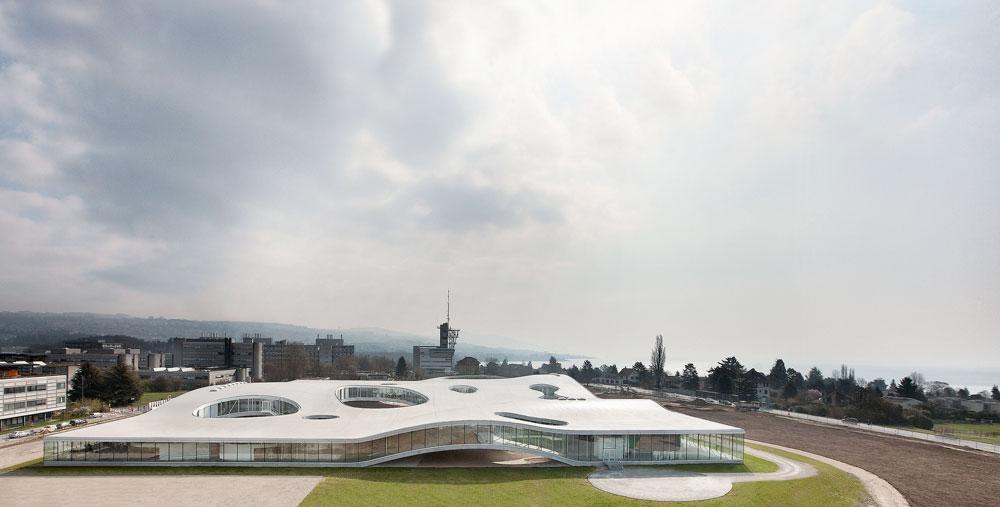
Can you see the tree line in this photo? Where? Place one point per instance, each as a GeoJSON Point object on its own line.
{"type": "Point", "coordinates": [117, 385]}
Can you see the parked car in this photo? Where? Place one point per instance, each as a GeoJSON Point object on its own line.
{"type": "Point", "coordinates": [96, 415]}
{"type": "Point", "coordinates": [77, 422]}
{"type": "Point", "coordinates": [849, 420]}
{"type": "Point", "coordinates": [65, 424]}
{"type": "Point", "coordinates": [20, 434]}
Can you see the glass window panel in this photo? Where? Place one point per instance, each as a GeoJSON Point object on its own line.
{"type": "Point", "coordinates": [244, 452]}
{"type": "Point", "coordinates": [419, 439]}
{"type": "Point", "coordinates": [228, 452]}
{"type": "Point", "coordinates": [559, 444]}
{"type": "Point", "coordinates": [200, 452]}
{"type": "Point", "coordinates": [391, 444]}
{"type": "Point", "coordinates": [190, 451]}
{"type": "Point", "coordinates": [176, 451]}
{"type": "Point", "coordinates": [259, 452]}
{"type": "Point", "coordinates": [378, 448]}
{"type": "Point", "coordinates": [364, 450]}
{"type": "Point", "coordinates": [405, 440]}
{"type": "Point", "coordinates": [457, 435]}
{"type": "Point", "coordinates": [352, 452]}
{"type": "Point", "coordinates": [338, 452]}
{"type": "Point", "coordinates": [484, 434]}
{"type": "Point", "coordinates": [49, 452]}
{"type": "Point", "coordinates": [431, 439]}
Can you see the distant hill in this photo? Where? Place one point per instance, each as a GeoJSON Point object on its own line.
{"type": "Point", "coordinates": [31, 328]}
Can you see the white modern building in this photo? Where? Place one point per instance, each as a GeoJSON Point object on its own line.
{"type": "Point", "coordinates": [25, 399]}
{"type": "Point", "coordinates": [360, 423]}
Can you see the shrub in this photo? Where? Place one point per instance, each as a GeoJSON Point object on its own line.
{"type": "Point", "coordinates": [921, 421]}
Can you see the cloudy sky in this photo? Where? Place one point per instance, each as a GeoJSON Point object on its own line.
{"type": "Point", "coordinates": [819, 181]}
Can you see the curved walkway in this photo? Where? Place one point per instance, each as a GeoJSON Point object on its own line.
{"type": "Point", "coordinates": [662, 484]}
{"type": "Point", "coordinates": [880, 490]}
{"type": "Point", "coordinates": [670, 485]}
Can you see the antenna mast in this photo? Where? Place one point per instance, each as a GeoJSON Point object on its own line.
{"type": "Point", "coordinates": [452, 333]}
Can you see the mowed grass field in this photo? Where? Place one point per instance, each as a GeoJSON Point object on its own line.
{"type": "Point", "coordinates": [566, 486]}
{"type": "Point", "coordinates": [988, 433]}
{"type": "Point", "coordinates": [150, 397]}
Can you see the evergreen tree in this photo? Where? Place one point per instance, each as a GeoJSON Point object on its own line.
{"type": "Point", "coordinates": [587, 372]}
{"type": "Point", "coordinates": [815, 379]}
{"type": "Point", "coordinates": [909, 389]}
{"type": "Point", "coordinates": [401, 368]}
{"type": "Point", "coordinates": [120, 386]}
{"type": "Point", "coordinates": [574, 373]}
{"type": "Point", "coordinates": [795, 378]}
{"type": "Point", "coordinates": [748, 384]}
{"type": "Point", "coordinates": [995, 394]}
{"type": "Point", "coordinates": [86, 383]}
{"type": "Point", "coordinates": [641, 372]}
{"type": "Point", "coordinates": [727, 376]}
{"type": "Point", "coordinates": [778, 376]}
{"type": "Point", "coordinates": [963, 393]}
{"type": "Point", "coordinates": [789, 391]}
{"type": "Point", "coordinates": [689, 377]}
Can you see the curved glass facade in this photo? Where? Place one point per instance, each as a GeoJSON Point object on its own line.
{"type": "Point", "coordinates": [571, 448]}
{"type": "Point", "coordinates": [248, 406]}
{"type": "Point", "coordinates": [385, 394]}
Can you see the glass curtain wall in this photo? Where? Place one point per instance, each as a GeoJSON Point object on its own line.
{"type": "Point", "coordinates": [643, 448]}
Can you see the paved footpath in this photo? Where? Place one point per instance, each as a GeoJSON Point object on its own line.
{"type": "Point", "coordinates": [148, 490]}
{"type": "Point", "coordinates": [159, 490]}
{"type": "Point", "coordinates": [15, 454]}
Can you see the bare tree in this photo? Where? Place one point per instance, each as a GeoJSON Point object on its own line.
{"type": "Point", "coordinates": [657, 360]}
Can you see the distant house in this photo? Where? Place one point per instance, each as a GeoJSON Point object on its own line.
{"type": "Point", "coordinates": [612, 379]}
{"type": "Point", "coordinates": [981, 405]}
{"type": "Point", "coordinates": [903, 402]}
{"type": "Point", "coordinates": [629, 376]}
{"type": "Point", "coordinates": [763, 392]}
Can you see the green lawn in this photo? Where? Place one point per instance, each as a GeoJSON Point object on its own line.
{"type": "Point", "coordinates": [987, 432]}
{"type": "Point", "coordinates": [562, 486]}
{"type": "Point", "coordinates": [965, 431]}
{"type": "Point", "coordinates": [149, 397]}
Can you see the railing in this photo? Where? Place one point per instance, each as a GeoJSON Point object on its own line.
{"type": "Point", "coordinates": [941, 439]}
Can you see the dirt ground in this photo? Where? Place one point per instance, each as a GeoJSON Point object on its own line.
{"type": "Point", "coordinates": [925, 473]}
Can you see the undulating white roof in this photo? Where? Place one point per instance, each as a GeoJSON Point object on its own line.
{"type": "Point", "coordinates": [581, 411]}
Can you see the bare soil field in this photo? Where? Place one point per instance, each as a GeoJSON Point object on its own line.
{"type": "Point", "coordinates": [925, 473]}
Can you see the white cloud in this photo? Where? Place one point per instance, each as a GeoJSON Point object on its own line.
{"type": "Point", "coordinates": [586, 171]}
